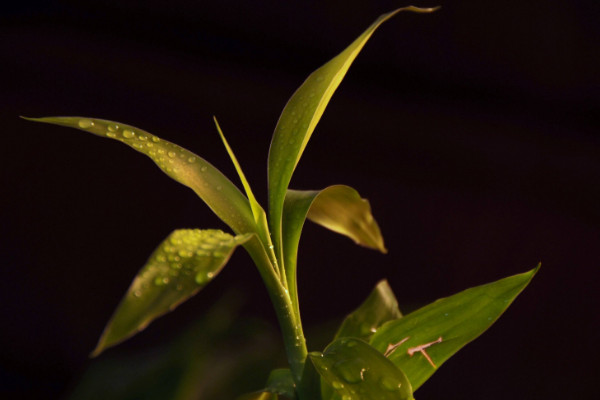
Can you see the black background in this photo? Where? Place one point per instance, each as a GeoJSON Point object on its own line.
{"type": "Point", "coordinates": [473, 132]}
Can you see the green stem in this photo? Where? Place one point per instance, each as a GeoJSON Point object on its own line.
{"type": "Point", "coordinates": [287, 312]}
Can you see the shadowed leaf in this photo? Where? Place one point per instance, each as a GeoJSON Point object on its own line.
{"type": "Point", "coordinates": [381, 306]}
{"type": "Point", "coordinates": [356, 371]}
{"type": "Point", "coordinates": [300, 117]}
{"type": "Point", "coordinates": [182, 265]}
{"type": "Point", "coordinates": [445, 326]}
{"type": "Point", "coordinates": [222, 196]}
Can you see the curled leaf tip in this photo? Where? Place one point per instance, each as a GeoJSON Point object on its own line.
{"type": "Point", "coordinates": [421, 9]}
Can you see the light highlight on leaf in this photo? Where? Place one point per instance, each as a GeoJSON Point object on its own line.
{"type": "Point", "coordinates": [457, 320]}
{"type": "Point", "coordinates": [185, 262]}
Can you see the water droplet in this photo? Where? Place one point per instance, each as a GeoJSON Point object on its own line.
{"type": "Point", "coordinates": [142, 137]}
{"type": "Point", "coordinates": [389, 383]}
{"type": "Point", "coordinates": [203, 169]}
{"type": "Point", "coordinates": [171, 154]}
{"type": "Point", "coordinates": [203, 277]}
{"type": "Point", "coordinates": [155, 139]}
{"type": "Point", "coordinates": [179, 287]}
{"type": "Point", "coordinates": [346, 397]}
{"type": "Point", "coordinates": [111, 135]}
{"type": "Point", "coordinates": [337, 384]}
{"type": "Point", "coordinates": [349, 371]}
{"type": "Point", "coordinates": [192, 160]}
{"type": "Point", "coordinates": [137, 293]}
{"type": "Point", "coordinates": [149, 144]}
{"type": "Point", "coordinates": [127, 134]}
{"type": "Point", "coordinates": [85, 123]}
{"type": "Point", "coordinates": [161, 258]}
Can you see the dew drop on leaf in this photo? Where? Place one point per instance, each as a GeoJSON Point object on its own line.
{"type": "Point", "coordinates": [85, 123]}
{"type": "Point", "coordinates": [390, 384]}
{"type": "Point", "coordinates": [128, 134]}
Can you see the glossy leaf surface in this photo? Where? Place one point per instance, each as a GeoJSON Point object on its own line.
{"type": "Point", "coordinates": [219, 193]}
{"type": "Point", "coordinates": [457, 320]}
{"type": "Point", "coordinates": [356, 371]}
{"type": "Point", "coordinates": [301, 115]}
{"type": "Point", "coordinates": [185, 262]}
{"type": "Point", "coordinates": [336, 207]}
{"type": "Point", "coordinates": [381, 306]}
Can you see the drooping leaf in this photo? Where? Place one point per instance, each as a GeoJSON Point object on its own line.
{"type": "Point", "coordinates": [445, 326]}
{"type": "Point", "coordinates": [181, 265]}
{"type": "Point", "coordinates": [339, 208]}
{"type": "Point", "coordinates": [356, 371]}
{"type": "Point", "coordinates": [300, 117]}
{"type": "Point", "coordinates": [381, 306]}
{"type": "Point", "coordinates": [222, 196]}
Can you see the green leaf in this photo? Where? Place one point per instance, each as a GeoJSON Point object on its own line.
{"type": "Point", "coordinates": [339, 208]}
{"type": "Point", "coordinates": [260, 217]}
{"type": "Point", "coordinates": [300, 117]}
{"type": "Point", "coordinates": [281, 382]}
{"type": "Point", "coordinates": [445, 326]}
{"type": "Point", "coordinates": [222, 196]}
{"type": "Point", "coordinates": [356, 371]}
{"type": "Point", "coordinates": [381, 306]}
{"type": "Point", "coordinates": [182, 265]}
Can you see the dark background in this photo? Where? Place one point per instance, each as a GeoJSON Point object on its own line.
{"type": "Point", "coordinates": [473, 132]}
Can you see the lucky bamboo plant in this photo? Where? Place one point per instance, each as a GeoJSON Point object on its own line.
{"type": "Point", "coordinates": [377, 353]}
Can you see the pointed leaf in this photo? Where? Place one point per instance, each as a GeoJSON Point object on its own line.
{"type": "Point", "coordinates": [339, 208]}
{"type": "Point", "coordinates": [301, 115]}
{"type": "Point", "coordinates": [222, 196]}
{"type": "Point", "coordinates": [381, 306]}
{"type": "Point", "coordinates": [182, 265]}
{"type": "Point", "coordinates": [445, 326]}
{"type": "Point", "coordinates": [356, 371]}
{"type": "Point", "coordinates": [260, 217]}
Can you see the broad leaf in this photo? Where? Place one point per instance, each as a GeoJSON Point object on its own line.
{"type": "Point", "coordinates": [381, 306]}
{"type": "Point", "coordinates": [300, 117]}
{"type": "Point", "coordinates": [182, 265]}
{"type": "Point", "coordinates": [339, 208]}
{"type": "Point", "coordinates": [356, 371]}
{"type": "Point", "coordinates": [222, 196]}
{"type": "Point", "coordinates": [445, 326]}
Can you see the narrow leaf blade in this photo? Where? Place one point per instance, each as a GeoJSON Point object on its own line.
{"type": "Point", "coordinates": [301, 115]}
{"type": "Point", "coordinates": [447, 325]}
{"type": "Point", "coordinates": [356, 371]}
{"type": "Point", "coordinates": [185, 262]}
{"type": "Point", "coordinates": [381, 306]}
{"type": "Point", "coordinates": [187, 168]}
